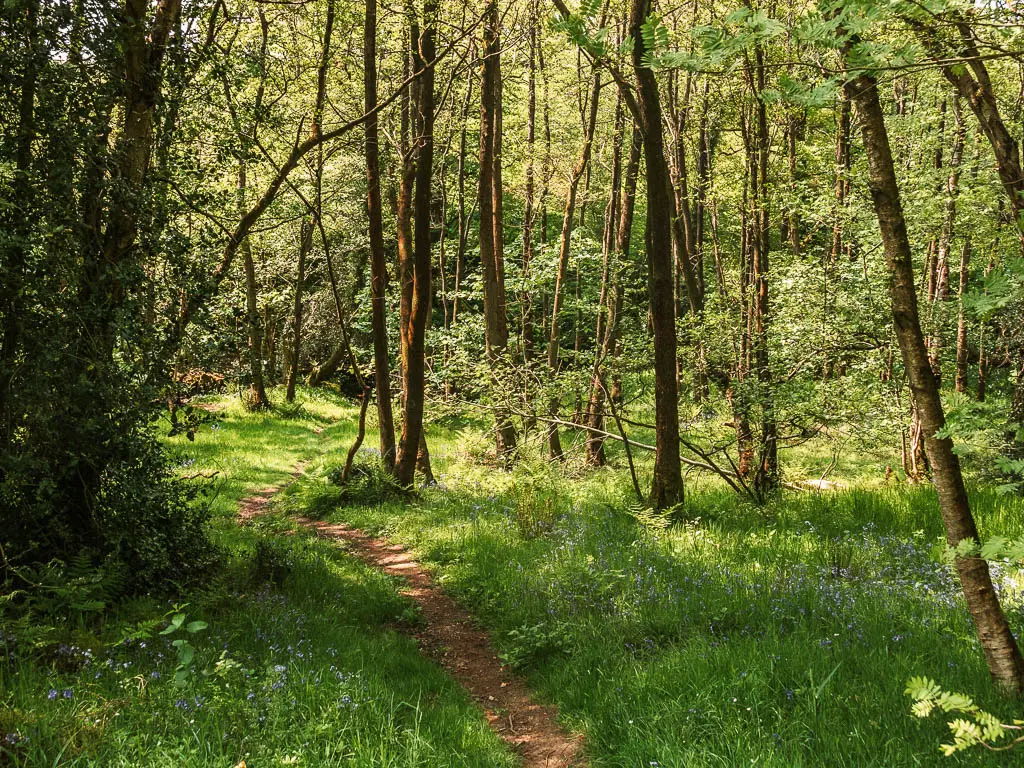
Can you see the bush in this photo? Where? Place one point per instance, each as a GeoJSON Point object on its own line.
{"type": "Point", "coordinates": [109, 497]}
{"type": "Point", "coordinates": [369, 483]}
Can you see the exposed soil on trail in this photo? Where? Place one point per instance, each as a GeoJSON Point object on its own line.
{"type": "Point", "coordinates": [255, 505]}
{"type": "Point", "coordinates": [450, 636]}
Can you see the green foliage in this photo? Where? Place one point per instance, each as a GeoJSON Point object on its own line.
{"type": "Point", "coordinates": [186, 651]}
{"type": "Point", "coordinates": [537, 507]}
{"type": "Point", "coordinates": [369, 483]}
{"type": "Point", "coordinates": [530, 645]}
{"type": "Point", "coordinates": [978, 728]}
{"type": "Point", "coordinates": [1000, 288]}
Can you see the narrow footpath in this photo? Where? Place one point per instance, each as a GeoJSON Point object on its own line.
{"type": "Point", "coordinates": [450, 636]}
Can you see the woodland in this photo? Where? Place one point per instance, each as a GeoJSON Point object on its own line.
{"type": "Point", "coordinates": [511, 382]}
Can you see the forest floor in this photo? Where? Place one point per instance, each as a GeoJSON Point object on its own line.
{"type": "Point", "coordinates": [450, 636]}
{"type": "Point", "coordinates": [729, 635]}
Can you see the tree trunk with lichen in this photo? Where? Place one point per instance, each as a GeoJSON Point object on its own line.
{"type": "Point", "coordinates": [1002, 654]}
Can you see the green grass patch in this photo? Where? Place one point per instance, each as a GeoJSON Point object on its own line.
{"type": "Point", "coordinates": [743, 635]}
{"type": "Point", "coordinates": [297, 656]}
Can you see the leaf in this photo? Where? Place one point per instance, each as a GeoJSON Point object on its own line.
{"type": "Point", "coordinates": [175, 625]}
{"type": "Point", "coordinates": [196, 626]}
{"type": "Point", "coordinates": [994, 548]}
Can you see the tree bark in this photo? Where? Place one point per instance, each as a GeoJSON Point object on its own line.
{"type": "Point", "coordinates": [525, 301]}
{"type": "Point", "coordinates": [667, 484]}
{"type": "Point", "coordinates": [621, 231]}
{"type": "Point", "coordinates": [1001, 652]}
{"type": "Point", "coordinates": [305, 245]}
{"type": "Point", "coordinates": [491, 228]}
{"type": "Point", "coordinates": [378, 259]}
{"type": "Point", "coordinates": [16, 221]}
{"type": "Point", "coordinates": [414, 331]}
{"type": "Point", "coordinates": [766, 476]}
{"type": "Point", "coordinates": [564, 243]}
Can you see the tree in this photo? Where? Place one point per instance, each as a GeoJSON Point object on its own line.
{"type": "Point", "coordinates": [492, 239]}
{"type": "Point", "coordinates": [1005, 662]}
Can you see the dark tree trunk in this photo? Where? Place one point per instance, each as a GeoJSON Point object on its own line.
{"type": "Point", "coordinates": [525, 301]}
{"type": "Point", "coordinates": [16, 221]}
{"type": "Point", "coordinates": [258, 399]}
{"type": "Point", "coordinates": [962, 352]}
{"type": "Point", "coordinates": [414, 330]}
{"type": "Point", "coordinates": [378, 259]}
{"type": "Point", "coordinates": [620, 231]}
{"type": "Point", "coordinates": [305, 245]}
{"type": "Point", "coordinates": [1001, 652]}
{"type": "Point", "coordinates": [460, 255]}
{"type": "Point", "coordinates": [842, 179]}
{"type": "Point", "coordinates": [316, 214]}
{"type": "Point", "coordinates": [554, 443]}
{"type": "Point", "coordinates": [945, 241]}
{"type": "Point", "coordinates": [491, 228]}
{"type": "Point", "coordinates": [766, 476]}
{"type": "Point", "coordinates": [667, 484]}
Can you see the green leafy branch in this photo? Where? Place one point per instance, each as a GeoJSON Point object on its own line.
{"type": "Point", "coordinates": [978, 728]}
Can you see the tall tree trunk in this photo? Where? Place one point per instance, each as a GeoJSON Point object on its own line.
{"type": "Point", "coordinates": [414, 330]}
{"type": "Point", "coordinates": [962, 352]}
{"type": "Point", "coordinates": [767, 475]}
{"type": "Point", "coordinates": [16, 220]}
{"type": "Point", "coordinates": [258, 399]}
{"type": "Point", "coordinates": [620, 228]}
{"type": "Point", "coordinates": [378, 259]}
{"type": "Point", "coordinates": [945, 241]}
{"type": "Point", "coordinates": [491, 228]}
{"type": "Point", "coordinates": [973, 82]}
{"type": "Point", "coordinates": [525, 301]}
{"type": "Point", "coordinates": [667, 484]}
{"type": "Point", "coordinates": [842, 178]}
{"type": "Point", "coordinates": [1001, 652]}
{"type": "Point", "coordinates": [564, 247]}
{"type": "Point", "coordinates": [144, 47]}
{"type": "Point", "coordinates": [460, 256]}
{"type": "Point", "coordinates": [305, 245]}
{"type": "Point", "coordinates": [316, 214]}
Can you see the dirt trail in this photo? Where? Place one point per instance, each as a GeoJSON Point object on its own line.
{"type": "Point", "coordinates": [450, 636]}
{"type": "Point", "coordinates": [255, 505]}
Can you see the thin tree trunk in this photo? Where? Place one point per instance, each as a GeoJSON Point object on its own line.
{"type": "Point", "coordinates": [962, 352]}
{"type": "Point", "coordinates": [305, 245]}
{"type": "Point", "coordinates": [525, 301]}
{"type": "Point", "coordinates": [842, 177]}
{"type": "Point", "coordinates": [316, 214]}
{"type": "Point", "coordinates": [667, 484]}
{"type": "Point", "coordinates": [942, 252]}
{"type": "Point", "coordinates": [491, 228]}
{"type": "Point", "coordinates": [378, 260]}
{"type": "Point", "coordinates": [1001, 652]}
{"type": "Point", "coordinates": [767, 475]}
{"type": "Point", "coordinates": [16, 219]}
{"type": "Point", "coordinates": [564, 243]}
{"type": "Point", "coordinates": [621, 232]}
{"type": "Point", "coordinates": [460, 256]}
{"type": "Point", "coordinates": [412, 440]}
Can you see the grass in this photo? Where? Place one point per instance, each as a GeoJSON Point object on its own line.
{"type": "Point", "coordinates": [728, 635]}
{"type": "Point", "coordinates": [301, 662]}
{"type": "Point", "coordinates": [778, 636]}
